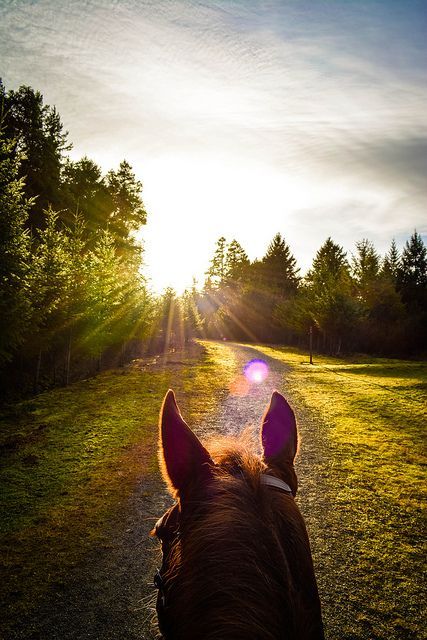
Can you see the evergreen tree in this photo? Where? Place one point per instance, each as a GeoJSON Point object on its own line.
{"type": "Point", "coordinates": [391, 263]}
{"type": "Point", "coordinates": [381, 309]}
{"type": "Point", "coordinates": [49, 278]}
{"type": "Point", "coordinates": [50, 274]}
{"type": "Point", "coordinates": [236, 262]}
{"type": "Point", "coordinates": [193, 322]}
{"type": "Point", "coordinates": [103, 299]}
{"type": "Point", "coordinates": [39, 144]}
{"type": "Point", "coordinates": [73, 288]}
{"type": "Point", "coordinates": [128, 213]}
{"type": "Point", "coordinates": [413, 269]}
{"type": "Point", "coordinates": [330, 265]}
{"type": "Point", "coordinates": [15, 308]}
{"type": "Point", "coordinates": [84, 193]}
{"type": "Point", "coordinates": [75, 302]}
{"type": "Point", "coordinates": [218, 266]}
{"type": "Point", "coordinates": [329, 296]}
{"type": "Point", "coordinates": [279, 270]}
{"type": "Point", "coordinates": [366, 264]}
{"type": "Point", "coordinates": [113, 202]}
{"type": "Point", "coordinates": [412, 285]}
{"type": "Point", "coordinates": [295, 314]}
{"type": "Point", "coordinates": [172, 320]}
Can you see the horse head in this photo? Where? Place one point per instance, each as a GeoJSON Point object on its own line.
{"type": "Point", "coordinates": [236, 560]}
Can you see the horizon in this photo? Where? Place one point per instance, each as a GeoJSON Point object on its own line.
{"type": "Point", "coordinates": [241, 119]}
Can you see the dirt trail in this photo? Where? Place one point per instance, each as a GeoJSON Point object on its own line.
{"type": "Point", "coordinates": [111, 596]}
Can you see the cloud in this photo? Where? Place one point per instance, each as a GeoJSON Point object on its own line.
{"type": "Point", "coordinates": [316, 111]}
{"type": "Point", "coordinates": [399, 162]}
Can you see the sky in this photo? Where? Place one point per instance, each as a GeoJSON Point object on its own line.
{"type": "Point", "coordinates": [242, 118]}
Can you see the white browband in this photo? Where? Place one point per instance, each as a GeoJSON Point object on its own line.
{"type": "Point", "coordinates": [275, 482]}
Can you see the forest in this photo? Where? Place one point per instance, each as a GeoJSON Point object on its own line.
{"type": "Point", "coordinates": [74, 298]}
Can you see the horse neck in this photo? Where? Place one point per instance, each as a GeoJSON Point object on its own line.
{"type": "Point", "coordinates": [232, 576]}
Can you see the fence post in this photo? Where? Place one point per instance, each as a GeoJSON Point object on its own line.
{"type": "Point", "coordinates": [311, 344]}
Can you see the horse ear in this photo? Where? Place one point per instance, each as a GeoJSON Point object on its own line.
{"type": "Point", "coordinates": [279, 431]}
{"type": "Point", "coordinates": [183, 458]}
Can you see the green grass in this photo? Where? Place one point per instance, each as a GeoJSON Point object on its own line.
{"type": "Point", "coordinates": [374, 413]}
{"type": "Point", "coordinates": [71, 456]}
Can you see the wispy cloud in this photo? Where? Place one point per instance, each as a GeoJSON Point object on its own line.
{"type": "Point", "coordinates": [324, 102]}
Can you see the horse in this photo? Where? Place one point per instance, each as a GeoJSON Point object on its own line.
{"type": "Point", "coordinates": [236, 558]}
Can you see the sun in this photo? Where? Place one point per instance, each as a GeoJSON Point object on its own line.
{"type": "Point", "coordinates": [194, 199]}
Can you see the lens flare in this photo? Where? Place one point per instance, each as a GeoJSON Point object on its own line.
{"type": "Point", "coordinates": [239, 386]}
{"type": "Point", "coordinates": [256, 371]}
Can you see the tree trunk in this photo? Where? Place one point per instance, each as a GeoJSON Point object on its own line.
{"type": "Point", "coordinates": [37, 375]}
{"type": "Point", "coordinates": [311, 344]}
{"type": "Point", "coordinates": [122, 355]}
{"type": "Point", "coordinates": [67, 369]}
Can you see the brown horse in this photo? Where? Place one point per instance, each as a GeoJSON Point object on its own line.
{"type": "Point", "coordinates": [236, 557]}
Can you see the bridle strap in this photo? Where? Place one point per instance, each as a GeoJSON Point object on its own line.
{"type": "Point", "coordinates": [272, 481]}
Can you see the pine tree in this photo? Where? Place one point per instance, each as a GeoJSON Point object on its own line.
{"type": "Point", "coordinates": [40, 144]}
{"type": "Point", "coordinates": [236, 262]}
{"type": "Point", "coordinates": [218, 266]}
{"type": "Point", "coordinates": [72, 287]}
{"type": "Point", "coordinates": [193, 321]}
{"type": "Point", "coordinates": [329, 265]}
{"type": "Point", "coordinates": [15, 307]}
{"type": "Point", "coordinates": [329, 296]}
{"type": "Point", "coordinates": [103, 302]}
{"type": "Point", "coordinates": [412, 276]}
{"type": "Point", "coordinates": [112, 202]}
{"type": "Point", "coordinates": [128, 213]}
{"type": "Point", "coordinates": [172, 320]}
{"type": "Point", "coordinates": [75, 301]}
{"type": "Point", "coordinates": [280, 273]}
{"type": "Point", "coordinates": [391, 263]}
{"type": "Point", "coordinates": [413, 270]}
{"type": "Point", "coordinates": [84, 193]}
{"type": "Point", "coordinates": [365, 264]}
{"type": "Point", "coordinates": [50, 274]}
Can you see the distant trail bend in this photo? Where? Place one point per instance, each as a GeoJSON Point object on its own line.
{"type": "Point", "coordinates": [239, 410]}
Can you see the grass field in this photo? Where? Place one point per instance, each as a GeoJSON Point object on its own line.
{"type": "Point", "coordinates": [70, 457]}
{"type": "Point", "coordinates": [375, 411]}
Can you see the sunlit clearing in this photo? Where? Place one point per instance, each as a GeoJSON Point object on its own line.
{"type": "Point", "coordinates": [256, 371]}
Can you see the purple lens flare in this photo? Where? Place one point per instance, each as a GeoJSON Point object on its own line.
{"type": "Point", "coordinates": [256, 371]}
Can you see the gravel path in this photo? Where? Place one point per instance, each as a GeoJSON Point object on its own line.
{"type": "Point", "coordinates": [245, 411]}
{"type": "Point", "coordinates": [111, 596]}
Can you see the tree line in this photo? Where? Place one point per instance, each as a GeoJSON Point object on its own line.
{"type": "Point", "coordinates": [71, 286]}
{"type": "Point", "coordinates": [365, 303]}
{"type": "Point", "coordinates": [73, 295]}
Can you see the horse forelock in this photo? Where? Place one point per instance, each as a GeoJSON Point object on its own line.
{"type": "Point", "coordinates": [229, 572]}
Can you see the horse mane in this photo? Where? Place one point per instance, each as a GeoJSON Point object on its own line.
{"type": "Point", "coordinates": [243, 558]}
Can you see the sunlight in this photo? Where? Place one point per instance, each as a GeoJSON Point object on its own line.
{"type": "Point", "coordinates": [193, 198]}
